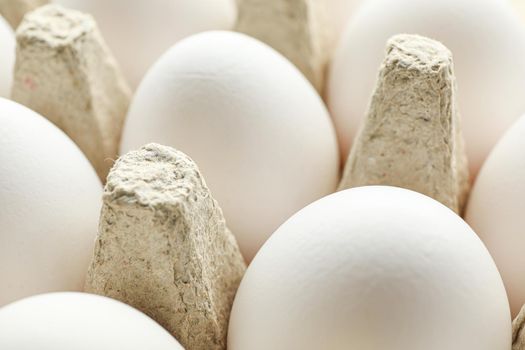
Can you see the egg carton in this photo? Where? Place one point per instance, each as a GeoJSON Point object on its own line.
{"type": "Point", "coordinates": [248, 106]}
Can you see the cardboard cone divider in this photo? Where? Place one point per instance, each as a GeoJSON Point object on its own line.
{"type": "Point", "coordinates": [163, 247]}
{"type": "Point", "coordinates": [518, 332]}
{"type": "Point", "coordinates": [411, 136]}
{"type": "Point", "coordinates": [14, 10]}
{"type": "Point", "coordinates": [298, 29]}
{"type": "Point", "coordinates": [65, 71]}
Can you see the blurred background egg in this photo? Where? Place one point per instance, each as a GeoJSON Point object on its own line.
{"type": "Point", "coordinates": [487, 39]}
{"type": "Point", "coordinates": [7, 57]}
{"type": "Point", "coordinates": [519, 5]}
{"type": "Point", "coordinates": [496, 210]}
{"type": "Point", "coordinates": [338, 13]}
{"type": "Point", "coordinates": [372, 268]}
{"type": "Point", "coordinates": [65, 321]}
{"type": "Point", "coordinates": [50, 205]}
{"type": "Point", "coordinates": [138, 32]}
{"type": "Point", "coordinates": [251, 121]}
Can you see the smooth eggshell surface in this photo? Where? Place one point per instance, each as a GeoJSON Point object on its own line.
{"type": "Point", "coordinates": [138, 32]}
{"type": "Point", "coordinates": [488, 43]}
{"type": "Point", "coordinates": [51, 199]}
{"type": "Point", "coordinates": [64, 321]}
{"type": "Point", "coordinates": [372, 268]}
{"type": "Point", "coordinates": [496, 210]}
{"type": "Point", "coordinates": [255, 126]}
{"type": "Point", "coordinates": [519, 5]}
{"type": "Point", "coordinates": [338, 13]}
{"type": "Point", "coordinates": [7, 57]}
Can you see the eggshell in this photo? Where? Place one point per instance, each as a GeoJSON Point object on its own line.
{"type": "Point", "coordinates": [50, 199]}
{"type": "Point", "coordinates": [519, 6]}
{"type": "Point", "coordinates": [64, 321]}
{"type": "Point", "coordinates": [338, 13]}
{"type": "Point", "coordinates": [496, 210]}
{"type": "Point", "coordinates": [251, 121]}
{"type": "Point", "coordinates": [138, 32]}
{"type": "Point", "coordinates": [372, 268]}
{"type": "Point", "coordinates": [488, 43]}
{"type": "Point", "coordinates": [7, 57]}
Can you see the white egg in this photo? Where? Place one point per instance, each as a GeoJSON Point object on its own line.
{"type": "Point", "coordinates": [496, 210]}
{"type": "Point", "coordinates": [251, 121]}
{"type": "Point", "coordinates": [519, 6]}
{"type": "Point", "coordinates": [64, 321]}
{"type": "Point", "coordinates": [138, 32]}
{"type": "Point", "coordinates": [372, 268]}
{"type": "Point", "coordinates": [488, 43]}
{"type": "Point", "coordinates": [50, 199]}
{"type": "Point", "coordinates": [338, 13]}
{"type": "Point", "coordinates": [7, 57]}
